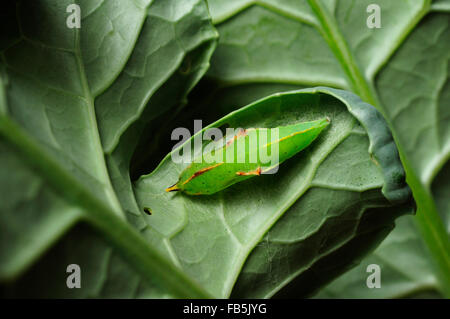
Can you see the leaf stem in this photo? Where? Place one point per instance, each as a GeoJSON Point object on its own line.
{"type": "Point", "coordinates": [93, 130]}
{"type": "Point", "coordinates": [433, 232]}
{"type": "Point", "coordinates": [427, 219]}
{"type": "Point", "coordinates": [330, 31]}
{"type": "Point", "coordinates": [152, 265]}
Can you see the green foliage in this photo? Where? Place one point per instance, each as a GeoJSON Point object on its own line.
{"type": "Point", "coordinates": [310, 213]}
{"type": "Point", "coordinates": [84, 112]}
{"type": "Point", "coordinates": [401, 68]}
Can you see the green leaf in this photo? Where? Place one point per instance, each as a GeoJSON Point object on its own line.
{"type": "Point", "coordinates": [406, 268]}
{"type": "Point", "coordinates": [84, 112]}
{"type": "Point", "coordinates": [55, 131]}
{"type": "Point", "coordinates": [402, 68]}
{"type": "Point", "coordinates": [311, 209]}
{"type": "Point", "coordinates": [418, 108]}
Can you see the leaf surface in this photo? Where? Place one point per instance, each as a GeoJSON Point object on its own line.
{"type": "Point", "coordinates": [401, 68]}
{"type": "Point", "coordinates": [57, 87]}
{"type": "Point", "coordinates": [291, 220]}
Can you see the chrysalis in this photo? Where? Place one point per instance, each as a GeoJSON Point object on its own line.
{"type": "Point", "coordinates": [249, 153]}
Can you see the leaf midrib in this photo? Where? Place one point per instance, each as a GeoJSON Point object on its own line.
{"type": "Point", "coordinates": [114, 202]}
{"type": "Point", "coordinates": [433, 232]}
{"type": "Point", "coordinates": [152, 265]}
{"type": "Point", "coordinates": [319, 257]}
{"type": "Point", "coordinates": [290, 15]}
{"type": "Point", "coordinates": [330, 31]}
{"type": "Point", "coordinates": [247, 249]}
{"type": "Point", "coordinates": [107, 218]}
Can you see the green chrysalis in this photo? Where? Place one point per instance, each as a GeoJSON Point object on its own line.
{"type": "Point", "coordinates": [245, 155]}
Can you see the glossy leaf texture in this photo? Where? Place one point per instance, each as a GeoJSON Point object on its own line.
{"type": "Point", "coordinates": [71, 99]}
{"type": "Point", "coordinates": [79, 108]}
{"type": "Point", "coordinates": [401, 68]}
{"type": "Point", "coordinates": [312, 218]}
{"type": "Point", "coordinates": [406, 269]}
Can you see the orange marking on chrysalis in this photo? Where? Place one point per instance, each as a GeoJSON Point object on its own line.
{"type": "Point", "coordinates": [172, 188]}
{"type": "Point", "coordinates": [200, 172]}
{"type": "Point", "coordinates": [239, 134]}
{"type": "Point", "coordinates": [255, 172]}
